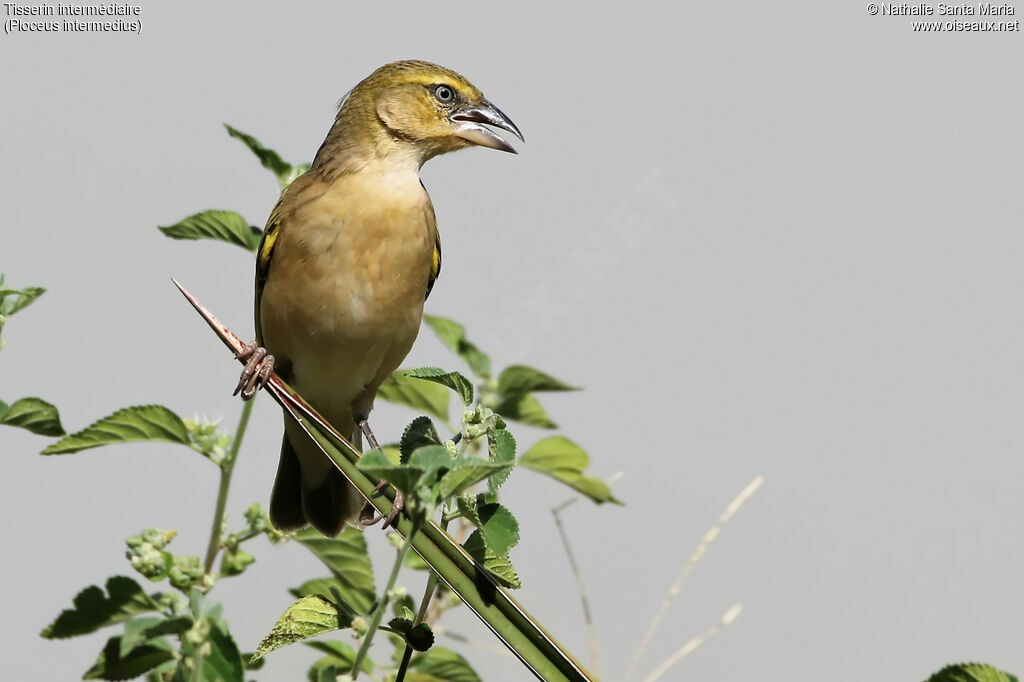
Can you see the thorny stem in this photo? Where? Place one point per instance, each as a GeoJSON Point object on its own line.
{"type": "Point", "coordinates": [382, 605]}
{"type": "Point", "coordinates": [225, 484]}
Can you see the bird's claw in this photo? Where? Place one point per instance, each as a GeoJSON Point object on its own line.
{"type": "Point", "coordinates": [256, 373]}
{"type": "Point", "coordinates": [369, 516]}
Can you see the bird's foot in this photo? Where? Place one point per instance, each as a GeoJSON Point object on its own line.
{"type": "Point", "coordinates": [369, 516]}
{"type": "Point", "coordinates": [371, 439]}
{"type": "Point", "coordinates": [258, 368]}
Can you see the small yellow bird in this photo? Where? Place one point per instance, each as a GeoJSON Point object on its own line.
{"type": "Point", "coordinates": [348, 257]}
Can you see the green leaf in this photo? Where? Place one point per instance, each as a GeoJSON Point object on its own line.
{"type": "Point", "coordinates": [138, 631]}
{"type": "Point", "coordinates": [453, 335]}
{"type": "Point", "coordinates": [464, 473]}
{"type": "Point", "coordinates": [13, 300]}
{"type": "Point", "coordinates": [328, 673]}
{"type": "Point", "coordinates": [110, 665]}
{"type": "Point", "coordinates": [224, 661]}
{"type": "Point", "coordinates": [417, 434]}
{"type": "Point", "coordinates": [501, 448]}
{"type": "Point", "coordinates": [420, 637]}
{"type": "Point", "coordinates": [432, 460]}
{"type": "Point", "coordinates": [445, 664]}
{"type": "Point", "coordinates": [520, 379]}
{"type": "Point", "coordinates": [499, 530]}
{"type": "Point", "coordinates": [971, 672]}
{"type": "Point", "coordinates": [404, 477]}
{"type": "Point", "coordinates": [94, 610]}
{"type": "Point", "coordinates": [270, 159]}
{"type": "Point", "coordinates": [525, 409]}
{"type": "Point", "coordinates": [421, 396]}
{"type": "Point", "coordinates": [140, 423]}
{"type": "Point", "coordinates": [499, 567]}
{"type": "Point", "coordinates": [565, 461]}
{"type": "Point", "coordinates": [345, 556]}
{"type": "Point", "coordinates": [452, 380]}
{"type": "Point", "coordinates": [226, 226]}
{"type": "Point", "coordinates": [339, 655]}
{"type": "Point", "coordinates": [400, 625]}
{"type": "Point", "coordinates": [307, 617]}
{"type": "Point", "coordinates": [33, 414]}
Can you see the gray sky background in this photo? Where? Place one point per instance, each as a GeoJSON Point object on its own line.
{"type": "Point", "coordinates": [830, 296]}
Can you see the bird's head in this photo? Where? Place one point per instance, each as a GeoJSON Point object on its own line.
{"type": "Point", "coordinates": [423, 108]}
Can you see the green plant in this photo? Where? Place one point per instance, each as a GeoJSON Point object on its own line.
{"type": "Point", "coordinates": [449, 482]}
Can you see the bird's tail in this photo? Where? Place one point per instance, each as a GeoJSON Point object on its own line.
{"type": "Point", "coordinates": [309, 489]}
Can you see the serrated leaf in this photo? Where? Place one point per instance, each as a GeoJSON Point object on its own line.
{"type": "Point", "coordinates": [501, 449]}
{"type": "Point", "coordinates": [225, 226]}
{"type": "Point", "coordinates": [444, 664]}
{"type": "Point", "coordinates": [499, 530]}
{"type": "Point", "coordinates": [403, 477]}
{"type": "Point", "coordinates": [270, 159]}
{"type": "Point", "coordinates": [346, 557]}
{"type": "Point", "coordinates": [132, 424]}
{"type": "Point", "coordinates": [565, 461]}
{"type": "Point", "coordinates": [464, 473]}
{"type": "Point", "coordinates": [339, 655]}
{"type": "Point", "coordinates": [453, 335]}
{"type": "Point", "coordinates": [400, 625]}
{"type": "Point", "coordinates": [307, 617]}
{"type": "Point", "coordinates": [110, 665]}
{"type": "Point", "coordinates": [520, 379]}
{"type": "Point", "coordinates": [499, 567]}
{"type": "Point", "coordinates": [418, 433]}
{"type": "Point", "coordinates": [525, 409]}
{"type": "Point", "coordinates": [94, 610]}
{"type": "Point", "coordinates": [421, 396]}
{"type": "Point", "coordinates": [32, 414]}
{"type": "Point", "coordinates": [138, 631]}
{"type": "Point", "coordinates": [453, 380]}
{"type": "Point", "coordinates": [420, 637]}
{"type": "Point", "coordinates": [432, 460]}
{"type": "Point", "coordinates": [971, 672]}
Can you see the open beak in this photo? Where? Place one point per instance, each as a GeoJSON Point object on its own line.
{"type": "Point", "coordinates": [473, 122]}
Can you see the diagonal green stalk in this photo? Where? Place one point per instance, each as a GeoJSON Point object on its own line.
{"type": "Point", "coordinates": [545, 658]}
{"type": "Point", "coordinates": [382, 603]}
{"type": "Point", "coordinates": [524, 636]}
{"type": "Point", "coordinates": [227, 468]}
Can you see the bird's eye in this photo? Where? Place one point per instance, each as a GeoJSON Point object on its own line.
{"type": "Point", "coordinates": [444, 94]}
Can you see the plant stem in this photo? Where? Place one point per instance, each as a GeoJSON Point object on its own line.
{"type": "Point", "coordinates": [404, 665]}
{"type": "Point", "coordinates": [197, 664]}
{"type": "Point", "coordinates": [227, 468]}
{"type": "Point", "coordinates": [382, 604]}
{"type": "Point", "coordinates": [421, 616]}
